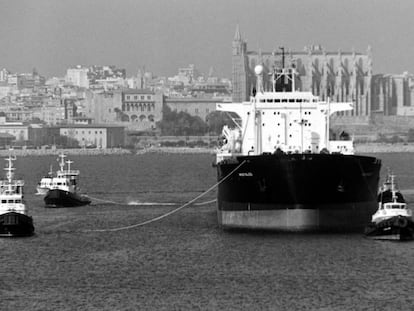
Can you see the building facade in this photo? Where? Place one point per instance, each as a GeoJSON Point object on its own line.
{"type": "Point", "coordinates": [393, 94]}
{"type": "Point", "coordinates": [95, 135]}
{"type": "Point", "coordinates": [341, 76]}
{"type": "Point", "coordinates": [142, 108]}
{"type": "Point", "coordinates": [19, 130]}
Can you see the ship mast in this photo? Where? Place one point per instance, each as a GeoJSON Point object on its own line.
{"type": "Point", "coordinates": [69, 162]}
{"type": "Point", "coordinates": [62, 161]}
{"type": "Point", "coordinates": [9, 173]}
{"type": "Point", "coordinates": [257, 113]}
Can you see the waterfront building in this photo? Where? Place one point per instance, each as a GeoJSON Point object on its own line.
{"type": "Point", "coordinates": [142, 108]}
{"type": "Point", "coordinates": [95, 135]}
{"type": "Point", "coordinates": [6, 139]}
{"type": "Point", "coordinates": [341, 76]}
{"type": "Point", "coordinates": [19, 130]}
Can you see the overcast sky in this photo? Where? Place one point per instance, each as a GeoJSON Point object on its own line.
{"type": "Point", "coordinates": [163, 35]}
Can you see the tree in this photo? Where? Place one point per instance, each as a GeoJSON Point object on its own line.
{"type": "Point", "coordinates": [180, 123]}
{"type": "Point", "coordinates": [217, 119]}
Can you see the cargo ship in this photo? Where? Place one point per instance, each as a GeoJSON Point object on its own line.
{"type": "Point", "coordinates": [63, 188]}
{"type": "Point", "coordinates": [279, 167]}
{"type": "Point", "coordinates": [14, 218]}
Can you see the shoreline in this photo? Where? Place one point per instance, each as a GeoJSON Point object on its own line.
{"type": "Point", "coordinates": [359, 149]}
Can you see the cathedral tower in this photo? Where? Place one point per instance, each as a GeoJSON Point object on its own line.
{"type": "Point", "coordinates": [239, 68]}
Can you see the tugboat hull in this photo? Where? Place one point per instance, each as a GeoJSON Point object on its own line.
{"type": "Point", "coordinates": [14, 224]}
{"type": "Point", "coordinates": [396, 228]}
{"type": "Point", "coordinates": [61, 198]}
{"type": "Point", "coordinates": [298, 192]}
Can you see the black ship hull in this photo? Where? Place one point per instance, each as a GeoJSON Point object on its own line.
{"type": "Point", "coordinates": [396, 228]}
{"type": "Point", "coordinates": [14, 224]}
{"type": "Point", "coordinates": [61, 198]}
{"type": "Point", "coordinates": [297, 192]}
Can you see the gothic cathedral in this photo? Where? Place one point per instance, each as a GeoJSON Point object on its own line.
{"type": "Point", "coordinates": [341, 76]}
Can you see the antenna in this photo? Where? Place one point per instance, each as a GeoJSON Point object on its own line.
{"type": "Point", "coordinates": [10, 170]}
{"type": "Point", "coordinates": [62, 157]}
{"type": "Point", "coordinates": [283, 56]}
{"type": "Point", "coordinates": [69, 162]}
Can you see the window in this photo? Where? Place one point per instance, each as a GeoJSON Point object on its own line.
{"type": "Point", "coordinates": [196, 110]}
{"type": "Point", "coordinates": [135, 97]}
{"type": "Point", "coordinates": [142, 97]}
{"type": "Point", "coordinates": [148, 97]}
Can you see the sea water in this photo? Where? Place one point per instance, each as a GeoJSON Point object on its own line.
{"type": "Point", "coordinates": [185, 261]}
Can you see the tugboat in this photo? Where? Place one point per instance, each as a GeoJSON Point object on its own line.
{"type": "Point", "coordinates": [64, 191]}
{"type": "Point", "coordinates": [45, 183]}
{"type": "Point", "coordinates": [14, 218]}
{"type": "Point", "coordinates": [393, 220]}
{"type": "Point", "coordinates": [279, 169]}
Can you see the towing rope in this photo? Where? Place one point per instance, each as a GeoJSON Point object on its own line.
{"type": "Point", "coordinates": [170, 212]}
{"type": "Point", "coordinates": [146, 203]}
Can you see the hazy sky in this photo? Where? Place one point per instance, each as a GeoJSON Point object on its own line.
{"type": "Point", "coordinates": [163, 35]}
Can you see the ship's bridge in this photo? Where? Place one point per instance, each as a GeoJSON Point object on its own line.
{"type": "Point", "coordinates": [286, 97]}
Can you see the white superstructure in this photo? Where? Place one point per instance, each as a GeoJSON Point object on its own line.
{"type": "Point", "coordinates": [393, 208]}
{"type": "Point", "coordinates": [11, 192]}
{"type": "Point", "coordinates": [65, 179]}
{"type": "Point", "coordinates": [284, 120]}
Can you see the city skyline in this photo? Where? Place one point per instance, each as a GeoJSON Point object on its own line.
{"type": "Point", "coordinates": [165, 35]}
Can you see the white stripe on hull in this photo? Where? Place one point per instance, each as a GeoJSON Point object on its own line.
{"type": "Point", "coordinates": [296, 219]}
